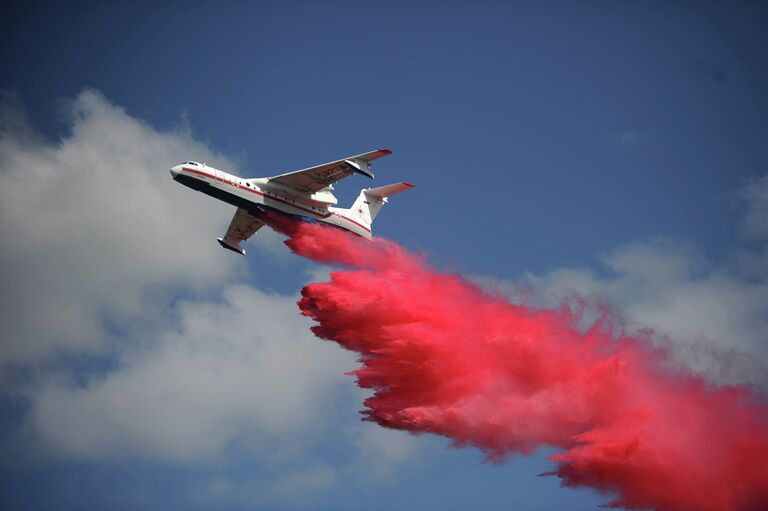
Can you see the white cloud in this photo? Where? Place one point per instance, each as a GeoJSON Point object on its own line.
{"type": "Point", "coordinates": [382, 450]}
{"type": "Point", "coordinates": [243, 373]}
{"type": "Point", "coordinates": [712, 318]}
{"type": "Point", "coordinates": [93, 227]}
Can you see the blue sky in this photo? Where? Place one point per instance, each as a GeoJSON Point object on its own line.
{"type": "Point", "coordinates": [613, 149]}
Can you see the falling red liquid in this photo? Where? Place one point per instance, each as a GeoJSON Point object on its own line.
{"type": "Point", "coordinates": [446, 358]}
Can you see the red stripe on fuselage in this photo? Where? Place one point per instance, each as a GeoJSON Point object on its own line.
{"type": "Point", "coordinates": [262, 194]}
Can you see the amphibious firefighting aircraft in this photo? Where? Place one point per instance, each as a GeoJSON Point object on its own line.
{"type": "Point", "coordinates": [307, 194]}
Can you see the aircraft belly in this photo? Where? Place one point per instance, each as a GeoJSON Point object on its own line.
{"type": "Point", "coordinates": [218, 191]}
{"type": "Point", "coordinates": [255, 201]}
{"type": "Point", "coordinates": [344, 223]}
{"type": "Point", "coordinates": [224, 194]}
{"type": "Point", "coordinates": [257, 198]}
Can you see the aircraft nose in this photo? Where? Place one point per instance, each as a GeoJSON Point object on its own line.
{"type": "Point", "coordinates": [176, 170]}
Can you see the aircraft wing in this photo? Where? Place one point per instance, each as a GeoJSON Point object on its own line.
{"type": "Point", "coordinates": [316, 178]}
{"type": "Point", "coordinates": [243, 226]}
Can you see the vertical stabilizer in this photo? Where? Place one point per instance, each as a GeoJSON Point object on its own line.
{"type": "Point", "coordinates": [371, 200]}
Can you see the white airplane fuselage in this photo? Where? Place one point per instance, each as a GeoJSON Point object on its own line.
{"type": "Point", "coordinates": [256, 195]}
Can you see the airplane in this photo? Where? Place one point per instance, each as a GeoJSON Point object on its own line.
{"type": "Point", "coordinates": [306, 194]}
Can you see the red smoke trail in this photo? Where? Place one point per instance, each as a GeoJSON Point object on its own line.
{"type": "Point", "coordinates": [445, 358]}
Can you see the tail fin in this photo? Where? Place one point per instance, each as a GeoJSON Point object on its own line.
{"type": "Point", "coordinates": [371, 200]}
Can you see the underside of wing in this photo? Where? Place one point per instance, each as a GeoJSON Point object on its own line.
{"type": "Point", "coordinates": [242, 227]}
{"type": "Point", "coordinates": [316, 178]}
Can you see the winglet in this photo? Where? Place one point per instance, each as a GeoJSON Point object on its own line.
{"type": "Point", "coordinates": [231, 247]}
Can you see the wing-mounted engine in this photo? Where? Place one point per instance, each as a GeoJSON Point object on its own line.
{"type": "Point", "coordinates": [314, 185]}
{"type": "Point", "coordinates": [360, 165]}
{"type": "Point", "coordinates": [324, 197]}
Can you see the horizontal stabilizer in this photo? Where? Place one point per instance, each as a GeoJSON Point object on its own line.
{"type": "Point", "coordinates": [370, 202]}
{"type": "Point", "coordinates": [389, 190]}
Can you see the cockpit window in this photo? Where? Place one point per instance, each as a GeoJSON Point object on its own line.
{"type": "Point", "coordinates": [191, 163]}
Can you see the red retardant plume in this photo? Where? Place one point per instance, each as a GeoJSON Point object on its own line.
{"type": "Point", "coordinates": [444, 357]}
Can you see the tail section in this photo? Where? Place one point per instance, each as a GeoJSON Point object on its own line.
{"type": "Point", "coordinates": [371, 200]}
